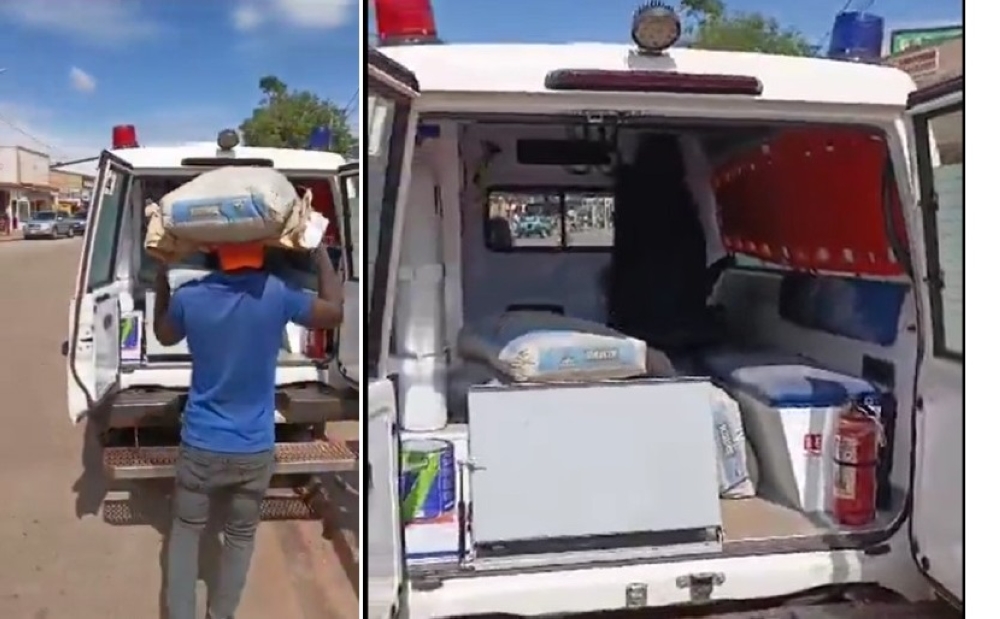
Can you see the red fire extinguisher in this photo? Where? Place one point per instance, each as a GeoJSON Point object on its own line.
{"type": "Point", "coordinates": [855, 459]}
{"type": "Point", "coordinates": [314, 344]}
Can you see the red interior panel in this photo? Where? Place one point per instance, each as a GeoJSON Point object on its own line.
{"type": "Point", "coordinates": [811, 199]}
{"type": "Point", "coordinates": [322, 202]}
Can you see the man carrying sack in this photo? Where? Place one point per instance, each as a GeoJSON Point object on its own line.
{"type": "Point", "coordinates": [234, 321]}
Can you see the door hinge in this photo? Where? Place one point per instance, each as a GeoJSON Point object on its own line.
{"type": "Point", "coordinates": [930, 205]}
{"type": "Point", "coordinates": [935, 280]}
{"type": "Point", "coordinates": [701, 585]}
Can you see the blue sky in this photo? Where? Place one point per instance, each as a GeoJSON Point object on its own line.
{"type": "Point", "coordinates": [180, 70]}
{"type": "Point", "coordinates": [608, 20]}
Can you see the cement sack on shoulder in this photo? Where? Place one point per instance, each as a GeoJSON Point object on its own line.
{"type": "Point", "coordinates": [164, 244]}
{"type": "Point", "coordinates": [231, 205]}
{"type": "Point", "coordinates": [736, 479]}
{"type": "Point", "coordinates": [546, 347]}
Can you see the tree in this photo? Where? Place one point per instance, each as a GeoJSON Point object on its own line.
{"type": "Point", "coordinates": [286, 118]}
{"type": "Point", "coordinates": [712, 27]}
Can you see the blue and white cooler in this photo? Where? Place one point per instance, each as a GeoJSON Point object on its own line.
{"type": "Point", "coordinates": [790, 408]}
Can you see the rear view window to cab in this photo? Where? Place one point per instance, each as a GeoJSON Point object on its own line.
{"type": "Point", "coordinates": [549, 219]}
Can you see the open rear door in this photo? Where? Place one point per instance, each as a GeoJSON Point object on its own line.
{"type": "Point", "coordinates": [349, 335]}
{"type": "Point", "coordinates": [391, 136]}
{"type": "Point", "coordinates": [93, 350]}
{"type": "Point", "coordinates": [937, 152]}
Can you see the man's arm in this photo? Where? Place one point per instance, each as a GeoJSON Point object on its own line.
{"type": "Point", "coordinates": [167, 324]}
{"type": "Point", "coordinates": [326, 309]}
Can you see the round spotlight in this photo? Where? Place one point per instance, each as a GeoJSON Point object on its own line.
{"type": "Point", "coordinates": [655, 27]}
{"type": "Point", "coordinates": [228, 139]}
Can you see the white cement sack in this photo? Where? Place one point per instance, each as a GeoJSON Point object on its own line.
{"type": "Point", "coordinates": [545, 347]}
{"type": "Point", "coordinates": [230, 205]}
{"type": "Point", "coordinates": [736, 479]}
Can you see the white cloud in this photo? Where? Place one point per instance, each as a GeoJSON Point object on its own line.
{"type": "Point", "coordinates": [247, 17]}
{"type": "Point", "coordinates": [102, 22]}
{"type": "Point", "coordinates": [81, 81]}
{"type": "Point", "coordinates": [314, 14]}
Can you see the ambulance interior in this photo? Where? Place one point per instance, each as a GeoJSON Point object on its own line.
{"type": "Point", "coordinates": [291, 266]}
{"type": "Point", "coordinates": [771, 258]}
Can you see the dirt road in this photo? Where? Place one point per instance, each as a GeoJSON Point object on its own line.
{"type": "Point", "coordinates": [61, 560]}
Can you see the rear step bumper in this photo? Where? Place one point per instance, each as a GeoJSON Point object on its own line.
{"type": "Point", "coordinates": [307, 458]}
{"type": "Point", "coordinates": [287, 506]}
{"type": "Point", "coordinates": [307, 403]}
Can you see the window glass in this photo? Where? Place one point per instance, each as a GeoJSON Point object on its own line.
{"type": "Point", "coordinates": [549, 219]}
{"type": "Point", "coordinates": [110, 202]}
{"type": "Point", "coordinates": [381, 111]}
{"type": "Point", "coordinates": [946, 241]}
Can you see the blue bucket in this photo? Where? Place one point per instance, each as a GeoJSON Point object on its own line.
{"type": "Point", "coordinates": [427, 480]}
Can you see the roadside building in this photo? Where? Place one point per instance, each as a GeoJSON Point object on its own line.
{"type": "Point", "coordinates": [24, 183]}
{"type": "Point", "coordinates": [932, 63]}
{"type": "Point", "coordinates": [73, 189]}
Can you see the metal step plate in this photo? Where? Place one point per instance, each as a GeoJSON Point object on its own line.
{"type": "Point", "coordinates": [306, 458]}
{"type": "Point", "coordinates": [289, 507]}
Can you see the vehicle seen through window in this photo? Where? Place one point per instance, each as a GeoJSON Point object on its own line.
{"type": "Point", "coordinates": [549, 219]}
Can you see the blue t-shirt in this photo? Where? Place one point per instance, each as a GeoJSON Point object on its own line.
{"type": "Point", "coordinates": [234, 324]}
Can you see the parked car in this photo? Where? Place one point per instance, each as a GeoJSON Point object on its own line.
{"type": "Point", "coordinates": [534, 226]}
{"type": "Point", "coordinates": [78, 223]}
{"type": "Point", "coordinates": [48, 225]}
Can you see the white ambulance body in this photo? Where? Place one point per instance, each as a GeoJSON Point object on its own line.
{"type": "Point", "coordinates": [130, 389]}
{"type": "Point", "coordinates": [568, 498]}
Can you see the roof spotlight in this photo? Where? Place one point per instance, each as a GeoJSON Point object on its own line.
{"type": "Point", "coordinates": [655, 27]}
{"type": "Point", "coordinates": [228, 139]}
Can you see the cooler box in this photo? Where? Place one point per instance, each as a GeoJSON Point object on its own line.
{"type": "Point", "coordinates": [560, 467]}
{"type": "Point", "coordinates": [177, 276]}
{"type": "Point", "coordinates": [790, 409]}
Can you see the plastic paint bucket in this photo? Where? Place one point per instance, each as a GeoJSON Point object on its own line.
{"type": "Point", "coordinates": [427, 479]}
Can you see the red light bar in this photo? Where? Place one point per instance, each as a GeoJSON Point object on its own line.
{"type": "Point", "coordinates": [124, 136]}
{"type": "Point", "coordinates": [405, 22]}
{"type": "Point", "coordinates": [652, 81]}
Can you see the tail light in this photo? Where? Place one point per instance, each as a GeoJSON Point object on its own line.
{"type": "Point", "coordinates": [405, 22]}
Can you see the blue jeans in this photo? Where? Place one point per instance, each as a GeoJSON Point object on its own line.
{"type": "Point", "coordinates": [235, 482]}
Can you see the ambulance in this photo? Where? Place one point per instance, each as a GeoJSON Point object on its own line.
{"type": "Point", "coordinates": [130, 389]}
{"type": "Point", "coordinates": [786, 230]}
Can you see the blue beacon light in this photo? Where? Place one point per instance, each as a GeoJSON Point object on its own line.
{"type": "Point", "coordinates": [321, 138]}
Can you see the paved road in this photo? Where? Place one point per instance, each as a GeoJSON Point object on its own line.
{"type": "Point", "coordinates": [60, 560]}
